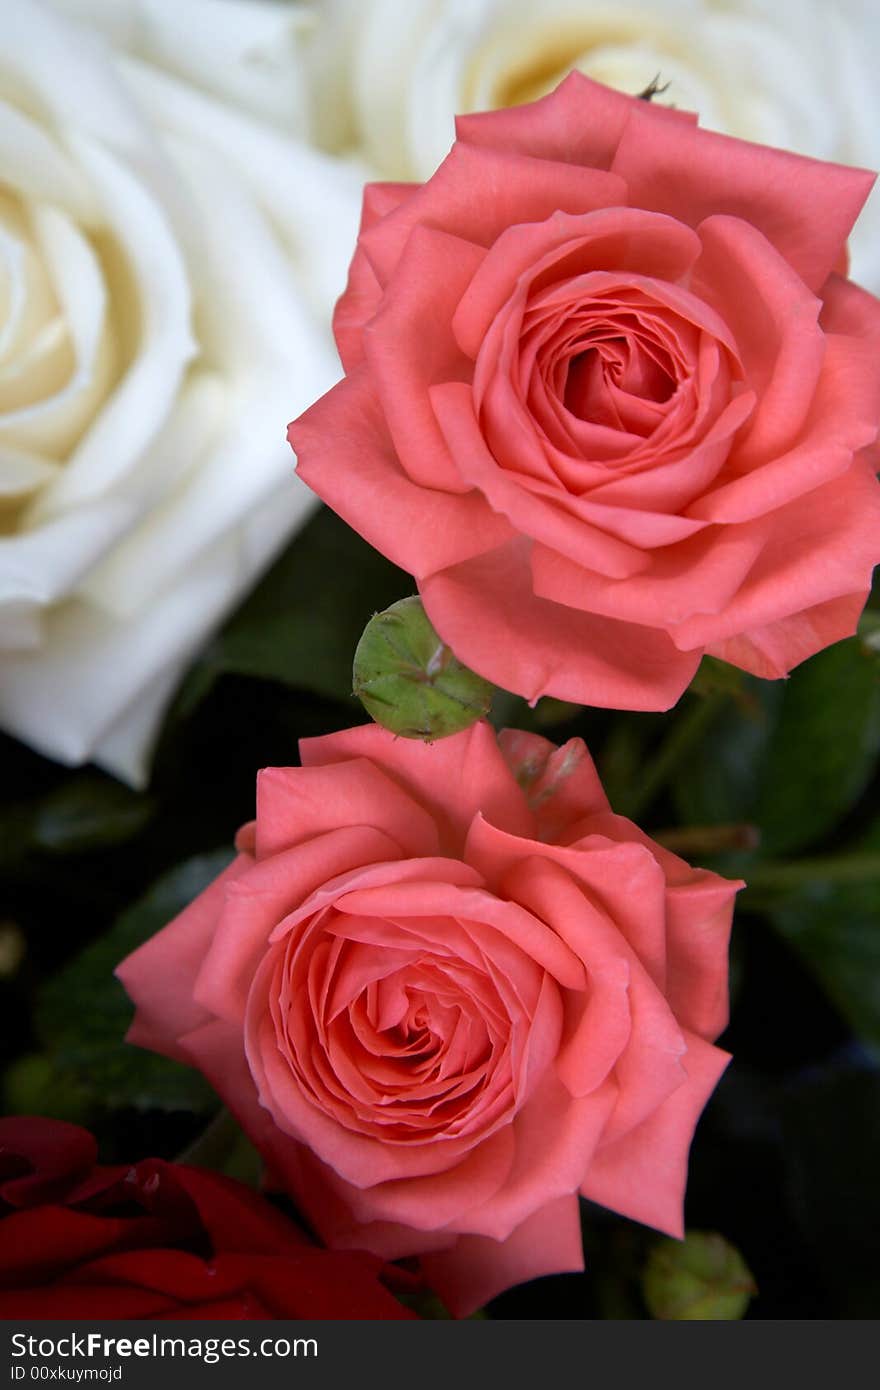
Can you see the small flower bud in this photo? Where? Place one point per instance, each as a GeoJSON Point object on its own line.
{"type": "Point", "coordinates": [702, 1277]}
{"type": "Point", "coordinates": [410, 682]}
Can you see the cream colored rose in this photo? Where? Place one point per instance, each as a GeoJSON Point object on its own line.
{"type": "Point", "coordinates": [168, 263]}
{"type": "Point", "coordinates": [388, 76]}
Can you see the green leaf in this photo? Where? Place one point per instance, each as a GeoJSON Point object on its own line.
{"type": "Point", "coordinates": [85, 811]}
{"type": "Point", "coordinates": [835, 929]}
{"type": "Point", "coordinates": [684, 736]}
{"type": "Point", "coordinates": [791, 757]}
{"type": "Point", "coordinates": [33, 1086]}
{"type": "Point", "coordinates": [89, 812]}
{"type": "Point", "coordinates": [719, 784]}
{"type": "Point", "coordinates": [83, 1012]}
{"type": "Point", "coordinates": [302, 623]}
{"type": "Point", "coordinates": [621, 756]}
{"type": "Point", "coordinates": [549, 713]}
{"type": "Point", "coordinates": [714, 676]}
{"type": "Point", "coordinates": [823, 749]}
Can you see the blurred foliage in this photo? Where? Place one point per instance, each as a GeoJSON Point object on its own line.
{"type": "Point", "coordinates": [791, 756]}
{"type": "Point", "coordinates": [835, 929]}
{"type": "Point", "coordinates": [302, 624]}
{"type": "Point", "coordinates": [776, 782]}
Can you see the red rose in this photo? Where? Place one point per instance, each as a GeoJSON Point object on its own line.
{"type": "Point", "coordinates": [609, 399]}
{"type": "Point", "coordinates": [445, 990]}
{"type": "Point", "coordinates": [157, 1240]}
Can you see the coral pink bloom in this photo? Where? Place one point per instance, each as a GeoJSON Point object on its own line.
{"type": "Point", "coordinates": [446, 990]}
{"type": "Point", "coordinates": [610, 399]}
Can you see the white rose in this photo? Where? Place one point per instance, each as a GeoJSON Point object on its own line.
{"type": "Point", "coordinates": [168, 263]}
{"type": "Point", "coordinates": [801, 74]}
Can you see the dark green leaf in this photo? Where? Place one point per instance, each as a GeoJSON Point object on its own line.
{"type": "Point", "coordinates": [303, 622]}
{"type": "Point", "coordinates": [88, 812]}
{"type": "Point", "coordinates": [621, 758]}
{"type": "Point", "coordinates": [835, 929]}
{"type": "Point", "coordinates": [32, 1085]}
{"type": "Point", "coordinates": [83, 1012]}
{"type": "Point", "coordinates": [791, 757]}
{"type": "Point", "coordinates": [823, 750]}
{"type": "Point", "coordinates": [550, 713]}
{"type": "Point", "coordinates": [85, 811]}
{"type": "Point", "coordinates": [719, 783]}
{"type": "Point", "coordinates": [714, 676]}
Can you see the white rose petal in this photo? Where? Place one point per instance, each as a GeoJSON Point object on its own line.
{"type": "Point", "coordinates": [34, 164]}
{"type": "Point", "coordinates": [318, 233]}
{"type": "Point", "coordinates": [156, 311]}
{"type": "Point", "coordinates": [244, 51]}
{"type": "Point", "coordinates": [42, 566]}
{"type": "Point", "coordinates": [22, 473]}
{"type": "Point", "coordinates": [91, 667]}
{"type": "Point", "coordinates": [95, 679]}
{"type": "Point", "coordinates": [73, 344]}
{"type": "Point", "coordinates": [169, 254]}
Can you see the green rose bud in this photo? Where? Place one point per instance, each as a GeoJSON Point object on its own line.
{"type": "Point", "coordinates": [410, 682]}
{"type": "Point", "coordinates": [702, 1277]}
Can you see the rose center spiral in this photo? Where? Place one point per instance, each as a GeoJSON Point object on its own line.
{"type": "Point", "coordinates": [615, 365]}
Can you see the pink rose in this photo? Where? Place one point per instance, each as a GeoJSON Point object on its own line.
{"type": "Point", "coordinates": [610, 399]}
{"type": "Point", "coordinates": [443, 1000]}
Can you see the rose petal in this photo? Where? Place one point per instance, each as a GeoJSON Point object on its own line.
{"type": "Point", "coordinates": [256, 902]}
{"type": "Point", "coordinates": [477, 1268]}
{"type": "Point", "coordinates": [363, 293]}
{"type": "Point", "coordinates": [435, 1200]}
{"type": "Point", "coordinates": [643, 1175]}
{"type": "Point", "coordinates": [561, 784]}
{"type": "Point", "coordinates": [580, 120]}
{"type": "Point", "coordinates": [806, 208]}
{"type": "Point", "coordinates": [616, 239]}
{"type": "Point", "coordinates": [841, 420]}
{"type": "Point", "coordinates": [478, 908]}
{"type": "Point", "coordinates": [624, 883]}
{"type": "Point", "coordinates": [454, 778]}
{"type": "Point", "coordinates": [699, 910]}
{"type": "Point", "coordinates": [298, 803]}
{"type": "Point", "coordinates": [824, 546]}
{"type": "Point", "coordinates": [159, 975]}
{"type": "Point", "coordinates": [774, 319]}
{"type": "Point", "coordinates": [147, 390]}
{"type": "Point", "coordinates": [531, 514]}
{"type": "Point", "coordinates": [346, 456]}
{"type": "Point", "coordinates": [434, 270]}
{"type": "Point", "coordinates": [775, 649]}
{"type": "Point", "coordinates": [555, 1139]}
{"type": "Point", "coordinates": [700, 575]}
{"type": "Point", "coordinates": [533, 647]}
{"type": "Point", "coordinates": [477, 192]}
